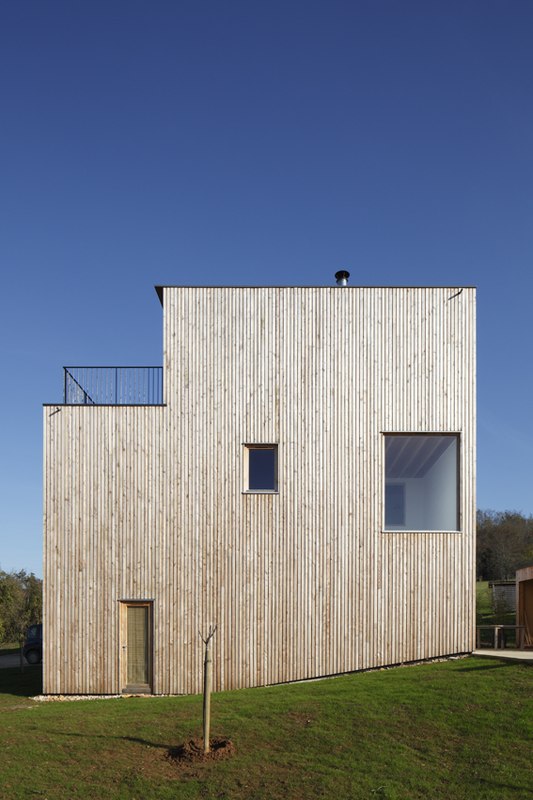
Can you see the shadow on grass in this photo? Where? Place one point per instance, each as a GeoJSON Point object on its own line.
{"type": "Point", "coordinates": [494, 784]}
{"type": "Point", "coordinates": [27, 683]}
{"type": "Point", "coordinates": [134, 739]}
{"type": "Point", "coordinates": [492, 662]}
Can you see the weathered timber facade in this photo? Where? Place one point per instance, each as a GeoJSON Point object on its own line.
{"type": "Point", "coordinates": [151, 529]}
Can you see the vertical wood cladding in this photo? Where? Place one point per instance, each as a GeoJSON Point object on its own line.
{"type": "Point", "coordinates": [147, 503]}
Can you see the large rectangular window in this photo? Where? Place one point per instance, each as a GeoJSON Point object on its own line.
{"type": "Point", "coordinates": [261, 467]}
{"type": "Point", "coordinates": [421, 482]}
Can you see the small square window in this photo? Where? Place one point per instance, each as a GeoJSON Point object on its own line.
{"type": "Point", "coordinates": [261, 467]}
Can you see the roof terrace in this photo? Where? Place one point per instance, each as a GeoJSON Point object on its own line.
{"type": "Point", "coordinates": [113, 386]}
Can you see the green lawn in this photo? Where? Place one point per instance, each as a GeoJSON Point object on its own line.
{"type": "Point", "coordinates": [457, 729]}
{"type": "Point", "coordinates": [8, 648]}
{"type": "Point", "coordinates": [484, 610]}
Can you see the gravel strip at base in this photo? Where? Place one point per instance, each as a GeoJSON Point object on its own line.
{"type": "Point", "coordinates": [70, 698]}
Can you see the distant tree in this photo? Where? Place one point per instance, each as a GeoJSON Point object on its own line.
{"type": "Point", "coordinates": [504, 544]}
{"type": "Point", "coordinates": [21, 604]}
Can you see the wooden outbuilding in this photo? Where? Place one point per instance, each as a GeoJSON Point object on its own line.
{"type": "Point", "coordinates": [300, 472]}
{"type": "Point", "coordinates": [524, 603]}
{"type": "Point", "coordinates": [503, 594]}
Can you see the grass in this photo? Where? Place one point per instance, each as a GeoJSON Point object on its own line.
{"type": "Point", "coordinates": [452, 730]}
{"type": "Point", "coordinates": [484, 610]}
{"type": "Point", "coordinates": [9, 648]}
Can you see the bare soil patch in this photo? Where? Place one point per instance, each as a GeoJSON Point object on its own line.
{"type": "Point", "coordinates": [192, 752]}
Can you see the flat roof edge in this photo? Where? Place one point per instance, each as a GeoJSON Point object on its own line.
{"type": "Point", "coordinates": [159, 287]}
{"type": "Point", "coordinates": [59, 406]}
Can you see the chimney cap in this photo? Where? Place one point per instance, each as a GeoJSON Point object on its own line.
{"type": "Point", "coordinates": [342, 277]}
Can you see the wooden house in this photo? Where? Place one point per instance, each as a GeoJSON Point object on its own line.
{"type": "Point", "coordinates": [524, 604]}
{"type": "Point", "coordinates": [300, 472]}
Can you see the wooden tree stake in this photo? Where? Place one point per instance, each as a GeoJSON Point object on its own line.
{"type": "Point", "coordinates": [208, 682]}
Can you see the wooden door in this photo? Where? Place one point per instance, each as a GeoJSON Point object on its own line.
{"type": "Point", "coordinates": [136, 671]}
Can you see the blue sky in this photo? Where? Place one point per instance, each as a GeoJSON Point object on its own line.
{"type": "Point", "coordinates": [235, 142]}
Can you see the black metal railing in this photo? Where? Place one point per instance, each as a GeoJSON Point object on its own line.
{"type": "Point", "coordinates": [97, 386]}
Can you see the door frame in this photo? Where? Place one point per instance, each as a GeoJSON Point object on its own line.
{"type": "Point", "coordinates": [525, 594]}
{"type": "Point", "coordinates": [124, 687]}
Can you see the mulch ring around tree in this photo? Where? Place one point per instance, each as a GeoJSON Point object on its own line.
{"type": "Point", "coordinates": [192, 752]}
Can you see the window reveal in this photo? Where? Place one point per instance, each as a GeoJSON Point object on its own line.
{"type": "Point", "coordinates": [422, 482]}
